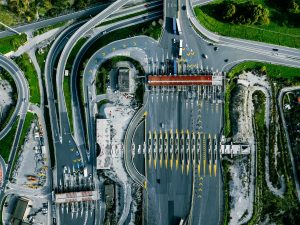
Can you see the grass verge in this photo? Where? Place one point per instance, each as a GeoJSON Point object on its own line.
{"type": "Point", "coordinates": [12, 43]}
{"type": "Point", "coordinates": [50, 27]}
{"type": "Point", "coordinates": [277, 32]}
{"type": "Point", "coordinates": [31, 76]}
{"type": "Point", "coordinates": [226, 180]}
{"type": "Point", "coordinates": [7, 141]}
{"type": "Point", "coordinates": [67, 94]}
{"type": "Point", "coordinates": [41, 57]}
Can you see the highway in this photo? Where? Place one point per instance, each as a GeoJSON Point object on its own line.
{"type": "Point", "coordinates": [62, 112]}
{"type": "Point", "coordinates": [73, 40]}
{"type": "Point", "coordinates": [11, 67]}
{"type": "Point", "coordinates": [21, 84]}
{"type": "Point", "coordinates": [77, 119]}
{"type": "Point", "coordinates": [47, 22]}
{"type": "Point", "coordinates": [114, 49]}
{"type": "Point", "coordinates": [65, 148]}
{"type": "Point", "coordinates": [256, 51]}
{"type": "Point", "coordinates": [79, 133]}
{"type": "Point", "coordinates": [60, 147]}
{"type": "Point", "coordinates": [170, 195]}
{"type": "Point", "coordinates": [3, 167]}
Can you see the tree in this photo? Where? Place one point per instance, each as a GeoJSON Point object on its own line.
{"type": "Point", "coordinates": [229, 11]}
{"type": "Point", "coordinates": [263, 69]}
{"type": "Point", "coordinates": [79, 4]}
{"type": "Point", "coordinates": [293, 6]}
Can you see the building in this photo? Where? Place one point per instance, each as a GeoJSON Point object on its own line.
{"type": "Point", "coordinates": [21, 211]}
{"type": "Point", "coordinates": [235, 149]}
{"type": "Point", "coordinates": [123, 80]}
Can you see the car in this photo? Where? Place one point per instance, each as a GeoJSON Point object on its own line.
{"type": "Point", "coordinates": [77, 153]}
{"type": "Point", "coordinates": [204, 56]}
{"type": "Point", "coordinates": [216, 48]}
{"type": "Point", "coordinates": [183, 7]}
{"type": "Point", "coordinates": [275, 49]}
{"type": "Point", "coordinates": [225, 60]}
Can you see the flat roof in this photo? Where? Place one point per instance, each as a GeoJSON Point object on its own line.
{"type": "Point", "coordinates": [180, 80]}
{"type": "Point", "coordinates": [81, 196]}
{"type": "Point", "coordinates": [20, 209]}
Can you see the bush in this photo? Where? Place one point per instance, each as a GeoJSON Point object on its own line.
{"type": "Point", "coordinates": [245, 13]}
{"type": "Point", "coordinates": [229, 11]}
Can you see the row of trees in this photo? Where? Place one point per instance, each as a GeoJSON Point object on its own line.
{"type": "Point", "coordinates": [29, 10]}
{"type": "Point", "coordinates": [291, 6]}
{"type": "Point", "coordinates": [245, 13]}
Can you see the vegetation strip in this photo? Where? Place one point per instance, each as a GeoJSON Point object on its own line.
{"type": "Point", "coordinates": [24, 62]}
{"type": "Point", "coordinates": [275, 22]}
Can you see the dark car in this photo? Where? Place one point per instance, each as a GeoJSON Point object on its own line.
{"type": "Point", "coordinates": [275, 49]}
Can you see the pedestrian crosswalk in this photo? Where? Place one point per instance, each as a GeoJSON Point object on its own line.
{"type": "Point", "coordinates": [180, 150]}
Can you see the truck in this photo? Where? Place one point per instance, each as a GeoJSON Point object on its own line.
{"type": "Point", "coordinates": [174, 67]}
{"type": "Point", "coordinates": [180, 52]}
{"type": "Point", "coordinates": [180, 47]}
{"type": "Point", "coordinates": [174, 26]}
{"type": "Point", "coordinates": [178, 26]}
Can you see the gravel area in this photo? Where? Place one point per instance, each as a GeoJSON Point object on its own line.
{"type": "Point", "coordinates": [6, 99]}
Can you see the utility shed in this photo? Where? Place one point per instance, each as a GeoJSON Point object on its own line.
{"type": "Point", "coordinates": [20, 212]}
{"type": "Point", "coordinates": [123, 80]}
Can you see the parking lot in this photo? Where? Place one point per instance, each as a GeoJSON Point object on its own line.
{"type": "Point", "coordinates": [31, 166]}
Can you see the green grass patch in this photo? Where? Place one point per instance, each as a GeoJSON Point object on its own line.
{"type": "Point", "coordinates": [273, 71]}
{"type": "Point", "coordinates": [66, 80]}
{"type": "Point", "coordinates": [230, 86]}
{"type": "Point", "coordinates": [47, 28]}
{"type": "Point", "coordinates": [12, 43]}
{"type": "Point", "coordinates": [41, 57]}
{"type": "Point", "coordinates": [74, 52]}
{"type": "Point", "coordinates": [226, 179]}
{"type": "Point", "coordinates": [4, 121]}
{"type": "Point", "coordinates": [280, 31]}
{"type": "Point", "coordinates": [31, 76]}
{"type": "Point", "coordinates": [7, 141]}
{"type": "Point", "coordinates": [7, 17]}
{"type": "Point", "coordinates": [67, 94]}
